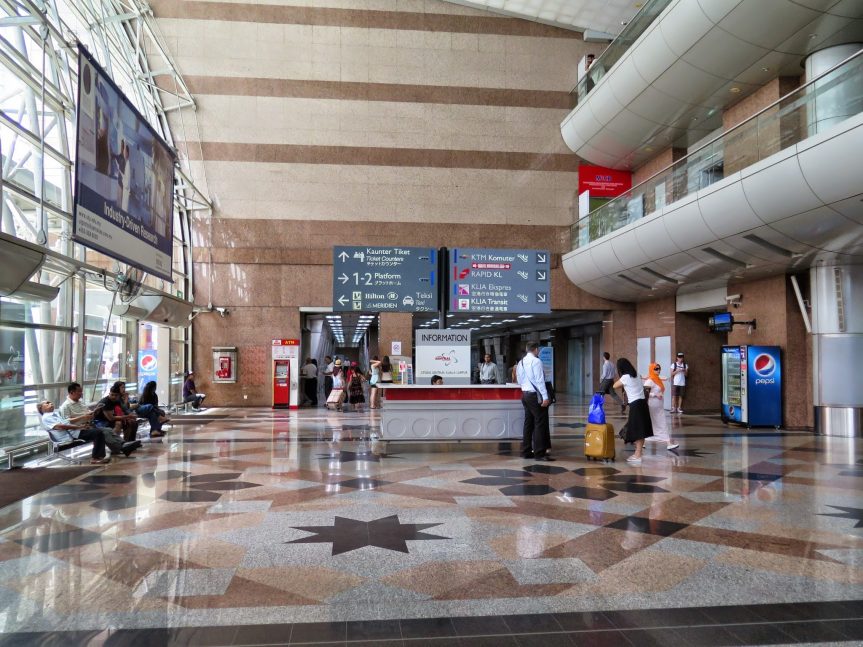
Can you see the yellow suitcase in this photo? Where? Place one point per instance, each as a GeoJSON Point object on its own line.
{"type": "Point", "coordinates": [599, 441]}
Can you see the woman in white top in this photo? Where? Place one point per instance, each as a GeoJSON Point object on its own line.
{"type": "Point", "coordinates": [661, 432]}
{"type": "Point", "coordinates": [638, 425]}
{"type": "Point", "coordinates": [374, 395]}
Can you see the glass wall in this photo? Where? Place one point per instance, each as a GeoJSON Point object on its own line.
{"type": "Point", "coordinates": [77, 335]}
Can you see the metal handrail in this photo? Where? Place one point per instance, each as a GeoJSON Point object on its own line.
{"type": "Point", "coordinates": [645, 184]}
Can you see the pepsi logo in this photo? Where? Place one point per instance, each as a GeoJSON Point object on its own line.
{"type": "Point", "coordinates": [148, 362]}
{"type": "Point", "coordinates": [764, 365]}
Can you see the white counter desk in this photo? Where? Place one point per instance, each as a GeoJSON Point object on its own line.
{"type": "Point", "coordinates": [452, 413]}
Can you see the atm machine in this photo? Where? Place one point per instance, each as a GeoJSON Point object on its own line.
{"type": "Point", "coordinates": [281, 383]}
{"type": "Point", "coordinates": [285, 370]}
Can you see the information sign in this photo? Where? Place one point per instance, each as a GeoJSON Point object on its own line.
{"type": "Point", "coordinates": [500, 280]}
{"type": "Point", "coordinates": [385, 279]}
{"type": "Point", "coordinates": [445, 353]}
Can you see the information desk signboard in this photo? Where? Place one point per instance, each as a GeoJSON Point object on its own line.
{"type": "Point", "coordinates": [500, 280]}
{"type": "Point", "coordinates": [385, 279]}
{"type": "Point", "coordinates": [445, 353]}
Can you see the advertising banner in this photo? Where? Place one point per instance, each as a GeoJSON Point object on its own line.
{"type": "Point", "coordinates": [546, 356]}
{"type": "Point", "coordinates": [603, 182]}
{"type": "Point", "coordinates": [445, 353]}
{"type": "Point", "coordinates": [148, 363]}
{"type": "Point", "coordinates": [124, 177]}
{"type": "Point", "coordinates": [764, 371]}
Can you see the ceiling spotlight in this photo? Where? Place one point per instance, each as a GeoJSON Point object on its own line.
{"type": "Point", "coordinates": [735, 90]}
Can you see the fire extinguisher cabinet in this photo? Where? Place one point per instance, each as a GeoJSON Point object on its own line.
{"type": "Point", "coordinates": [225, 364]}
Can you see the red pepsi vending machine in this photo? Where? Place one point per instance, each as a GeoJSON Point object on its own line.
{"type": "Point", "coordinates": [752, 386]}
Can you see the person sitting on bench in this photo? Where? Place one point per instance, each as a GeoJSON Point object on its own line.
{"type": "Point", "coordinates": [190, 392]}
{"type": "Point", "coordinates": [110, 414]}
{"type": "Point", "coordinates": [53, 421]}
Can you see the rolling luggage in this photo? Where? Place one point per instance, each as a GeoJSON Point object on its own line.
{"type": "Point", "coordinates": [599, 441]}
{"type": "Point", "coordinates": [334, 401]}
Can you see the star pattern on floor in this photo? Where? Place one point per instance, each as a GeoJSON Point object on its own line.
{"type": "Point", "coordinates": [351, 534]}
{"type": "Point", "coordinates": [533, 480]}
{"type": "Point", "coordinates": [694, 453]}
{"type": "Point", "coordinates": [347, 456]}
{"type": "Point", "coordinates": [855, 514]}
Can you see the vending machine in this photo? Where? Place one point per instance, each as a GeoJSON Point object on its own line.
{"type": "Point", "coordinates": [752, 385]}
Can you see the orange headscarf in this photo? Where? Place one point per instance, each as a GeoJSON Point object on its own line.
{"type": "Point", "coordinates": [653, 374]}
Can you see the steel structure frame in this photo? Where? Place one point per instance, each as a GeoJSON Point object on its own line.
{"type": "Point", "coordinates": [38, 53]}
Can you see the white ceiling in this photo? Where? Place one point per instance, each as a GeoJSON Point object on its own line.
{"type": "Point", "coordinates": [580, 15]}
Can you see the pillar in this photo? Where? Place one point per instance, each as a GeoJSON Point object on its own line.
{"type": "Point", "coordinates": [837, 103]}
{"type": "Point", "coordinates": [837, 348]}
{"type": "Point", "coordinates": [396, 326]}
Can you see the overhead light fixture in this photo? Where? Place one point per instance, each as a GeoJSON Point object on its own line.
{"type": "Point", "coordinates": [525, 316]}
{"type": "Point", "coordinates": [734, 90]}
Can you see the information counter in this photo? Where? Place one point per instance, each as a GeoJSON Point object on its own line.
{"type": "Point", "coordinates": [452, 413]}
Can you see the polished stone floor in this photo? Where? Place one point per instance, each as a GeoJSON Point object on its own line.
{"type": "Point", "coordinates": [303, 523]}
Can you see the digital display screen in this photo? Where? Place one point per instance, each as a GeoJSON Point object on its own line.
{"type": "Point", "coordinates": [721, 322]}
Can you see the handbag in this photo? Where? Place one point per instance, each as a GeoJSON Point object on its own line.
{"type": "Point", "coordinates": [623, 431]}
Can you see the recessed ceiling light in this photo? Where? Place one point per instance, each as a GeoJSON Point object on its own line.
{"type": "Point", "coordinates": [813, 36]}
{"type": "Point", "coordinates": [525, 316]}
{"type": "Point", "coordinates": [765, 69]}
{"type": "Point", "coordinates": [735, 90]}
{"type": "Point", "coordinates": [486, 316]}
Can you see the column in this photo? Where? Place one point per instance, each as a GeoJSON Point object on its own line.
{"type": "Point", "coordinates": [837, 348]}
{"type": "Point", "coordinates": [834, 104]}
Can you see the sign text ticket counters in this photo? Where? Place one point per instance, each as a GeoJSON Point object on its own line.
{"type": "Point", "coordinates": [385, 279]}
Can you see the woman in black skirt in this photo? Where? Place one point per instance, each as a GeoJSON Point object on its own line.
{"type": "Point", "coordinates": [638, 426]}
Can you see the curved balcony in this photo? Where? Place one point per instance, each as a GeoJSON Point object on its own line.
{"type": "Point", "coordinates": [771, 194]}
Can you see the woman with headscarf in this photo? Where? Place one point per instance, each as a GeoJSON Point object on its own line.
{"type": "Point", "coordinates": [654, 388]}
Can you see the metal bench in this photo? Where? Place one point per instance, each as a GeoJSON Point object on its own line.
{"type": "Point", "coordinates": [24, 449]}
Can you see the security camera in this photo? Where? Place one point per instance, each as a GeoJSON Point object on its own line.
{"type": "Point", "coordinates": [734, 300]}
{"type": "Point", "coordinates": [223, 312]}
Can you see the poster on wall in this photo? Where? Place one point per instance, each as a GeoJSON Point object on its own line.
{"type": "Point", "coordinates": [445, 353]}
{"type": "Point", "coordinates": [124, 177]}
{"type": "Point", "coordinates": [148, 363]}
{"type": "Point", "coordinates": [546, 356]}
{"type": "Point", "coordinates": [603, 182]}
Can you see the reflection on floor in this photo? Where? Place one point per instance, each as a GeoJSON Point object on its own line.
{"type": "Point", "coordinates": [250, 517]}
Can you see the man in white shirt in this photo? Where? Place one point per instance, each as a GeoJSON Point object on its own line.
{"type": "Point", "coordinates": [329, 367]}
{"type": "Point", "coordinates": [536, 438]}
{"type": "Point", "coordinates": [606, 381]}
{"type": "Point", "coordinates": [488, 371]}
{"type": "Point", "coordinates": [310, 372]}
{"type": "Point", "coordinates": [61, 428]}
{"type": "Point", "coordinates": [679, 371]}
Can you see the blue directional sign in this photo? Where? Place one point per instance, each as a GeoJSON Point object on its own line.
{"type": "Point", "coordinates": [385, 279]}
{"type": "Point", "coordinates": [500, 280]}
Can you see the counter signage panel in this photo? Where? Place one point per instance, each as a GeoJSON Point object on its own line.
{"type": "Point", "coordinates": [385, 279]}
{"type": "Point", "coordinates": [500, 280]}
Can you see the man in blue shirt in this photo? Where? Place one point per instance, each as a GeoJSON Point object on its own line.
{"type": "Point", "coordinates": [60, 428]}
{"type": "Point", "coordinates": [536, 439]}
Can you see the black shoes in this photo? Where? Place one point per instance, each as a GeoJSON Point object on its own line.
{"type": "Point", "coordinates": [528, 455]}
{"type": "Point", "coordinates": [546, 458]}
{"type": "Point", "coordinates": [131, 446]}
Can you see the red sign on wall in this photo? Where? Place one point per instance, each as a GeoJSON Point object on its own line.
{"type": "Point", "coordinates": [603, 182]}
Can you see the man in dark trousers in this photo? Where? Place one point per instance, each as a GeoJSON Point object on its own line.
{"type": "Point", "coordinates": [536, 441]}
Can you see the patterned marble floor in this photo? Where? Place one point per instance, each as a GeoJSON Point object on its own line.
{"type": "Point", "coordinates": [248, 516]}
